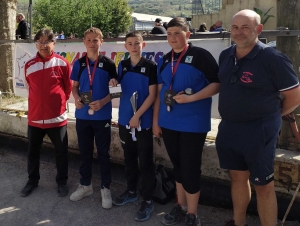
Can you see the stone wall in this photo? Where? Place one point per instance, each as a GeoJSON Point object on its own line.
{"type": "Point", "coordinates": [230, 7]}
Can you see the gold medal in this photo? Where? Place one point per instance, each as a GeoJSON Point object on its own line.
{"type": "Point", "coordinates": [91, 111]}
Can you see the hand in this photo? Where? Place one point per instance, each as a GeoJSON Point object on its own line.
{"type": "Point", "coordinates": [156, 130]}
{"type": "Point", "coordinates": [113, 82]}
{"type": "Point", "coordinates": [134, 122]}
{"type": "Point", "coordinates": [78, 103]}
{"type": "Point", "coordinates": [96, 105]}
{"type": "Point", "coordinates": [182, 98]}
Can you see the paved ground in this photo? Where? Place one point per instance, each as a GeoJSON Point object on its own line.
{"type": "Point", "coordinates": [44, 207]}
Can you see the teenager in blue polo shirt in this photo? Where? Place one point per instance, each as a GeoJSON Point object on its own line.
{"type": "Point", "coordinates": [137, 74]}
{"type": "Point", "coordinates": [187, 78]}
{"type": "Point", "coordinates": [91, 75]}
{"type": "Point", "coordinates": [258, 86]}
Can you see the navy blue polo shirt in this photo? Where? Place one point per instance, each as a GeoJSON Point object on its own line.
{"type": "Point", "coordinates": [132, 79]}
{"type": "Point", "coordinates": [260, 77]}
{"type": "Point", "coordinates": [196, 70]}
{"type": "Point", "coordinates": [106, 70]}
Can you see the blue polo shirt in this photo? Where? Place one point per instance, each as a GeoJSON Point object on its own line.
{"type": "Point", "coordinates": [260, 77]}
{"type": "Point", "coordinates": [132, 79]}
{"type": "Point", "coordinates": [196, 70]}
{"type": "Point", "coordinates": [105, 71]}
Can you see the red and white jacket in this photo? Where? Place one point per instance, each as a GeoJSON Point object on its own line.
{"type": "Point", "coordinates": [49, 88]}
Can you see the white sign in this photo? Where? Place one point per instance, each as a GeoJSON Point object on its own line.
{"type": "Point", "coordinates": [114, 50]}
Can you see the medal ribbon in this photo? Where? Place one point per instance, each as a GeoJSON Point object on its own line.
{"type": "Point", "coordinates": [91, 76]}
{"type": "Point", "coordinates": [177, 63]}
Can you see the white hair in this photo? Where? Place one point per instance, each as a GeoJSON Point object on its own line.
{"type": "Point", "coordinates": [21, 14]}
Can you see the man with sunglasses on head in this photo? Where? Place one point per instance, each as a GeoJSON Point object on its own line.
{"type": "Point", "coordinates": [49, 87]}
{"type": "Point", "coordinates": [258, 86]}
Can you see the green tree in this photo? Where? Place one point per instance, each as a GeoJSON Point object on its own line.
{"type": "Point", "coordinates": [263, 16]}
{"type": "Point", "coordinates": [111, 16]}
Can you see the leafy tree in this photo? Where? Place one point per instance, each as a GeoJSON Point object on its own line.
{"type": "Point", "coordinates": [111, 16]}
{"type": "Point", "coordinates": [263, 16]}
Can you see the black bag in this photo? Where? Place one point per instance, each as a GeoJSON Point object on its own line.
{"type": "Point", "coordinates": [164, 189]}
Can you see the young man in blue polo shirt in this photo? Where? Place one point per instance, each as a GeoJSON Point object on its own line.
{"type": "Point", "coordinates": [187, 78]}
{"type": "Point", "coordinates": [137, 74]}
{"type": "Point", "coordinates": [91, 75]}
{"type": "Point", "coordinates": [258, 86]}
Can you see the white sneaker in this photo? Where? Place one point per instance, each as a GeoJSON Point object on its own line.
{"type": "Point", "coordinates": [106, 198]}
{"type": "Point", "coordinates": [81, 192]}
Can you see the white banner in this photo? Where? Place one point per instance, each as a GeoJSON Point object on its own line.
{"type": "Point", "coordinates": [116, 51]}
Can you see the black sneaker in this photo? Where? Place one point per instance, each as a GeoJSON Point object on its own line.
{"type": "Point", "coordinates": [144, 213]}
{"type": "Point", "coordinates": [28, 189]}
{"type": "Point", "coordinates": [192, 220]}
{"type": "Point", "coordinates": [176, 215]}
{"type": "Point", "coordinates": [126, 197]}
{"type": "Point", "coordinates": [62, 190]}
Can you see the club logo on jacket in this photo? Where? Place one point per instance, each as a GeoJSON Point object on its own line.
{"type": "Point", "coordinates": [124, 69]}
{"type": "Point", "coordinates": [188, 59]}
{"type": "Point", "coordinates": [100, 64]}
{"type": "Point", "coordinates": [53, 74]}
{"type": "Point", "coordinates": [143, 69]}
{"type": "Point", "coordinates": [246, 77]}
{"type": "Point", "coordinates": [83, 65]}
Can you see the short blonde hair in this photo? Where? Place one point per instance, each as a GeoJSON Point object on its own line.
{"type": "Point", "coordinates": [94, 30]}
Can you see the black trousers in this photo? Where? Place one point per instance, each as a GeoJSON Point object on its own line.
{"type": "Point", "coordinates": [99, 131]}
{"type": "Point", "coordinates": [185, 151]}
{"type": "Point", "coordinates": [140, 151]}
{"type": "Point", "coordinates": [59, 139]}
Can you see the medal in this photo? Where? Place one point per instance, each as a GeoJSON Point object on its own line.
{"type": "Point", "coordinates": [91, 111]}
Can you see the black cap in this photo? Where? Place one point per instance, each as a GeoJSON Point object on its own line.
{"type": "Point", "coordinates": [158, 20]}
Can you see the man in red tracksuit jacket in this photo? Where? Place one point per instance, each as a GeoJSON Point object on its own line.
{"type": "Point", "coordinates": [49, 87]}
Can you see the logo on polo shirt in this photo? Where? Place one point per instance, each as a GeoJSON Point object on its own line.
{"type": "Point", "coordinates": [83, 65]}
{"type": "Point", "coordinates": [188, 59]}
{"type": "Point", "coordinates": [100, 64]}
{"type": "Point", "coordinates": [257, 179]}
{"type": "Point", "coordinates": [124, 69]}
{"type": "Point", "coordinates": [143, 69]}
{"type": "Point", "coordinates": [246, 77]}
{"type": "Point", "coordinates": [166, 61]}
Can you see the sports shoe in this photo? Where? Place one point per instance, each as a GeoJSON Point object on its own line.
{"type": "Point", "coordinates": [144, 212]}
{"type": "Point", "coordinates": [81, 192]}
{"type": "Point", "coordinates": [106, 198]}
{"type": "Point", "coordinates": [192, 220]}
{"type": "Point", "coordinates": [126, 197]}
{"type": "Point", "coordinates": [62, 190]}
{"type": "Point", "coordinates": [176, 215]}
{"type": "Point", "coordinates": [231, 223]}
{"type": "Point", "coordinates": [28, 189]}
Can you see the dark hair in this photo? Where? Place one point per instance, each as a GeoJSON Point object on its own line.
{"type": "Point", "coordinates": [179, 22]}
{"type": "Point", "coordinates": [165, 25]}
{"type": "Point", "coordinates": [45, 32]}
{"type": "Point", "coordinates": [133, 34]}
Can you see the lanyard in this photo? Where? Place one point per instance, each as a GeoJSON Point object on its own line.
{"type": "Point", "coordinates": [91, 76]}
{"type": "Point", "coordinates": [177, 63]}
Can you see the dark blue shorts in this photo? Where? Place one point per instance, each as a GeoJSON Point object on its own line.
{"type": "Point", "coordinates": [249, 146]}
